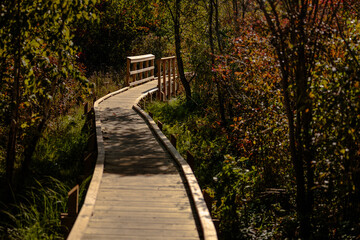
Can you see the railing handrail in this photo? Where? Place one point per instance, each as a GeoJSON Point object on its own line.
{"type": "Point", "coordinates": [139, 74]}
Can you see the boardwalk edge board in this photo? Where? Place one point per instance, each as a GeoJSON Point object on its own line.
{"type": "Point", "coordinates": [87, 208]}
{"type": "Point", "coordinates": [207, 225]}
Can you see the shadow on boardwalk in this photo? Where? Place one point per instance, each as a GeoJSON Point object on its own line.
{"type": "Point", "coordinates": [141, 194]}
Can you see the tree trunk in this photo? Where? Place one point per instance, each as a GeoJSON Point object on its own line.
{"type": "Point", "coordinates": [212, 48]}
{"type": "Point", "coordinates": [180, 62]}
{"type": "Point", "coordinates": [217, 25]}
{"type": "Point", "coordinates": [13, 131]}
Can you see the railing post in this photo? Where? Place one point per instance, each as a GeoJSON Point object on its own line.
{"type": "Point", "coordinates": [68, 219]}
{"type": "Point", "coordinates": [160, 125]}
{"type": "Point", "coordinates": [86, 108]}
{"type": "Point", "coordinates": [128, 63]}
{"type": "Point", "coordinates": [141, 66]}
{"type": "Point", "coordinates": [164, 80]}
{"type": "Point", "coordinates": [146, 66]}
{"type": "Point", "coordinates": [152, 64]}
{"type": "Point", "coordinates": [73, 204]}
{"type": "Point", "coordinates": [173, 140]}
{"type": "Point", "coordinates": [190, 159]}
{"type": "Point", "coordinates": [169, 79]}
{"type": "Point", "coordinates": [159, 79]}
{"type": "Point", "coordinates": [134, 67]}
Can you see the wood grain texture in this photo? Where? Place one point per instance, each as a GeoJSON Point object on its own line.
{"type": "Point", "coordinates": [141, 194]}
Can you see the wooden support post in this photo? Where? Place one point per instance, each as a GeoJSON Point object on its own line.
{"type": "Point", "coordinates": [190, 159]}
{"type": "Point", "coordinates": [86, 108]}
{"type": "Point", "coordinates": [134, 66]}
{"type": "Point", "coordinates": [73, 203]}
{"type": "Point", "coordinates": [159, 80]}
{"type": "Point", "coordinates": [141, 66]}
{"type": "Point", "coordinates": [208, 200]}
{"type": "Point", "coordinates": [68, 219]}
{"type": "Point", "coordinates": [164, 80]}
{"type": "Point", "coordinates": [146, 66]}
{"type": "Point", "coordinates": [128, 63]}
{"type": "Point", "coordinates": [160, 125]}
{"type": "Point", "coordinates": [89, 162]}
{"type": "Point", "coordinates": [216, 224]}
{"type": "Point", "coordinates": [152, 64]}
{"type": "Point", "coordinates": [169, 79]}
{"type": "Point", "coordinates": [173, 140]}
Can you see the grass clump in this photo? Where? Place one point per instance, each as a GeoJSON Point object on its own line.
{"type": "Point", "coordinates": [56, 168]}
{"type": "Point", "coordinates": [197, 131]}
{"type": "Point", "coordinates": [227, 167]}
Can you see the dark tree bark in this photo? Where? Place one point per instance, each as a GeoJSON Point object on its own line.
{"type": "Point", "coordinates": [180, 63]}
{"type": "Point", "coordinates": [295, 64]}
{"type": "Point", "coordinates": [15, 101]}
{"type": "Point", "coordinates": [212, 48]}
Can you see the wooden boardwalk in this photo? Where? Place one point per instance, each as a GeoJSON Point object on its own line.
{"type": "Point", "coordinates": [141, 194]}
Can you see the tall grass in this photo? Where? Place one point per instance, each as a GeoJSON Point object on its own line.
{"type": "Point", "coordinates": [196, 131]}
{"type": "Point", "coordinates": [56, 168]}
{"type": "Point", "coordinates": [37, 213]}
{"type": "Point", "coordinates": [105, 83]}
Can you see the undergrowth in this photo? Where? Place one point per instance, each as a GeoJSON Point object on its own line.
{"type": "Point", "coordinates": [56, 167]}
{"type": "Point", "coordinates": [237, 182]}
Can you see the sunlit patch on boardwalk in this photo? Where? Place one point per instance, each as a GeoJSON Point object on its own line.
{"type": "Point", "coordinates": [141, 194]}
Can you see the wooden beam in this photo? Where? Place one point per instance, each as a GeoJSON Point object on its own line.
{"type": "Point", "coordinates": [173, 140]}
{"type": "Point", "coordinates": [73, 202]}
{"type": "Point", "coordinates": [141, 58]}
{"type": "Point", "coordinates": [164, 80]}
{"type": "Point", "coordinates": [128, 64]}
{"type": "Point", "coordinates": [134, 67]}
{"type": "Point", "coordinates": [159, 79]}
{"type": "Point", "coordinates": [86, 108]}
{"type": "Point", "coordinates": [141, 67]}
{"type": "Point", "coordinates": [190, 159]}
{"type": "Point", "coordinates": [169, 79]}
{"type": "Point", "coordinates": [141, 70]}
{"type": "Point", "coordinates": [160, 125]}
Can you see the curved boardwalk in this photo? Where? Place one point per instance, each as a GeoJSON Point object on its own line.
{"type": "Point", "coordinates": [141, 194]}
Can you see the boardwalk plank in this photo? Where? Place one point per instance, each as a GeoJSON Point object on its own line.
{"type": "Point", "coordinates": [141, 194]}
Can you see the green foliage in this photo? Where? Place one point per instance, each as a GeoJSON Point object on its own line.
{"type": "Point", "coordinates": [60, 150]}
{"type": "Point", "coordinates": [106, 82]}
{"type": "Point", "coordinates": [56, 167]}
{"type": "Point", "coordinates": [237, 180]}
{"type": "Point", "coordinates": [193, 134]}
{"type": "Point", "coordinates": [121, 26]}
{"type": "Point", "coordinates": [39, 74]}
{"type": "Point", "coordinates": [37, 216]}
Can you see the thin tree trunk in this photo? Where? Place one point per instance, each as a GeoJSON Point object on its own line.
{"type": "Point", "coordinates": [212, 48]}
{"type": "Point", "coordinates": [180, 62]}
{"type": "Point", "coordinates": [11, 143]}
{"type": "Point", "coordinates": [217, 25]}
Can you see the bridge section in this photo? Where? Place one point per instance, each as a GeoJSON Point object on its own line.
{"type": "Point", "coordinates": [141, 194]}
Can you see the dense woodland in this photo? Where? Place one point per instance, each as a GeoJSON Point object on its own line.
{"type": "Point", "coordinates": [271, 107]}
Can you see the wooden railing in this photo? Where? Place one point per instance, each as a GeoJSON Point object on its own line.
{"type": "Point", "coordinates": [139, 69]}
{"type": "Point", "coordinates": [168, 83]}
